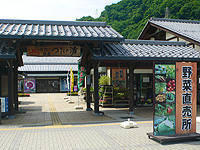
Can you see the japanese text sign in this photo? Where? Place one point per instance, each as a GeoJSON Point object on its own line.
{"type": "Point", "coordinates": [186, 97]}
{"type": "Point", "coordinates": [57, 50]}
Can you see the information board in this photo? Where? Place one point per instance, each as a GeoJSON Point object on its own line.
{"type": "Point", "coordinates": [164, 99]}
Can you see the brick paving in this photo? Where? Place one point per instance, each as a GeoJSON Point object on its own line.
{"type": "Point", "coordinates": [91, 137]}
{"type": "Point", "coordinates": [103, 132]}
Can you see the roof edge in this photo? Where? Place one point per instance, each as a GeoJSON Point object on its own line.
{"type": "Point", "coordinates": [73, 23]}
{"type": "Point", "coordinates": [151, 42]}
{"type": "Point", "coordinates": [174, 20]}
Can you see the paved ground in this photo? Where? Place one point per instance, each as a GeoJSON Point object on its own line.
{"type": "Point", "coordinates": [48, 109]}
{"type": "Point", "coordinates": [80, 129]}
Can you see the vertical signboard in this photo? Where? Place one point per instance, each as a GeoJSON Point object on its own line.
{"type": "Point", "coordinates": [186, 76]}
{"type": "Point", "coordinates": [29, 85]}
{"type": "Point", "coordinates": [164, 99]}
{"type": "Point", "coordinates": [4, 104]}
{"type": "Point", "coordinates": [119, 77]}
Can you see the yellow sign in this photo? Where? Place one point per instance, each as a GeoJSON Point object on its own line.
{"type": "Point", "coordinates": [57, 50]}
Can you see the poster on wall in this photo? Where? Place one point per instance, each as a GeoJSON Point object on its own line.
{"type": "Point", "coordinates": [29, 85]}
{"type": "Point", "coordinates": [186, 76]}
{"type": "Point", "coordinates": [119, 77]}
{"type": "Point", "coordinates": [65, 83]}
{"type": "Point", "coordinates": [165, 99]}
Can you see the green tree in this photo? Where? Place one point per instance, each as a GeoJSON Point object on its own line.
{"type": "Point", "coordinates": [129, 17]}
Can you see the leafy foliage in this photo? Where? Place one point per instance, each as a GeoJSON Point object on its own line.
{"type": "Point", "coordinates": [104, 80]}
{"type": "Point", "coordinates": [129, 17]}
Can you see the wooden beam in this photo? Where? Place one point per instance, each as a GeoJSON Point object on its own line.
{"type": "Point", "coordinates": [96, 88]}
{"type": "Point", "coordinates": [88, 85]}
{"type": "Point", "coordinates": [171, 38]}
{"type": "Point", "coordinates": [131, 88]}
{"type": "Point", "coordinates": [10, 88]}
{"type": "Point", "coordinates": [149, 36]}
{"type": "Point", "coordinates": [16, 86]}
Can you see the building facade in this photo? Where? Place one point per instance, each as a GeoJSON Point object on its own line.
{"type": "Point", "coordinates": [47, 74]}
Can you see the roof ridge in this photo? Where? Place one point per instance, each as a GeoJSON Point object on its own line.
{"type": "Point", "coordinates": [151, 42]}
{"type": "Point", "coordinates": [43, 63]}
{"type": "Point", "coordinates": [174, 20]}
{"type": "Point", "coordinates": [72, 23]}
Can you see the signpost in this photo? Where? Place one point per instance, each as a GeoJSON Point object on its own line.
{"type": "Point", "coordinates": [175, 101]}
{"type": "Point", "coordinates": [186, 76]}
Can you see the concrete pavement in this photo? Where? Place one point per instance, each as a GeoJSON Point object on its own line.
{"type": "Point", "coordinates": [86, 137]}
{"type": "Point", "coordinates": [46, 109]}
{"type": "Point", "coordinates": [78, 129]}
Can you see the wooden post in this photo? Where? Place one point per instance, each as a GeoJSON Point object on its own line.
{"type": "Point", "coordinates": [88, 85]}
{"type": "Point", "coordinates": [16, 86]}
{"type": "Point", "coordinates": [131, 92]}
{"type": "Point", "coordinates": [96, 89]}
{"type": "Point", "coordinates": [10, 89]}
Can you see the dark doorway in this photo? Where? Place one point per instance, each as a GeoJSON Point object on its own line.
{"type": "Point", "coordinates": [47, 86]}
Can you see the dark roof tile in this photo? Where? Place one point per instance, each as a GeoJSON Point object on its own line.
{"type": "Point", "coordinates": [38, 29]}
{"type": "Point", "coordinates": [149, 50]}
{"type": "Point", "coordinates": [186, 28]}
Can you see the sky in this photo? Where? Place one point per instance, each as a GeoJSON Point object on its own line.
{"type": "Point", "coordinates": [63, 10]}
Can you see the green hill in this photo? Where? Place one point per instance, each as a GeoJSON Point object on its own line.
{"type": "Point", "coordinates": [129, 17]}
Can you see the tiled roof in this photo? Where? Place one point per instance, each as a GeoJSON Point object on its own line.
{"type": "Point", "coordinates": [7, 51]}
{"type": "Point", "coordinates": [61, 30]}
{"type": "Point", "coordinates": [147, 50]}
{"type": "Point", "coordinates": [49, 60]}
{"type": "Point", "coordinates": [48, 75]}
{"type": "Point", "coordinates": [48, 67]}
{"type": "Point", "coordinates": [187, 28]}
{"type": "Point", "coordinates": [49, 63]}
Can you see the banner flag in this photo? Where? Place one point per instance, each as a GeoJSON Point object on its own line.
{"type": "Point", "coordinates": [81, 75]}
{"type": "Point", "coordinates": [68, 80]}
{"type": "Point", "coordinates": [71, 80]}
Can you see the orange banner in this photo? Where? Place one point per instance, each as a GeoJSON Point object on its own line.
{"type": "Point", "coordinates": [186, 97]}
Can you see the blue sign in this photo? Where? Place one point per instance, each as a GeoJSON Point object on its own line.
{"type": "Point", "coordinates": [4, 104]}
